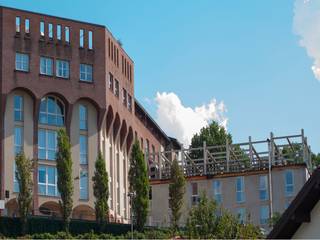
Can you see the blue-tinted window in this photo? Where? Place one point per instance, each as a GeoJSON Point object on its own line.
{"type": "Point", "coordinates": [18, 140]}
{"type": "Point", "coordinates": [217, 191]}
{"type": "Point", "coordinates": [51, 112]}
{"type": "Point", "coordinates": [18, 108]}
{"type": "Point", "coordinates": [16, 187]}
{"type": "Point", "coordinates": [86, 72]}
{"type": "Point", "coordinates": [47, 144]}
{"type": "Point", "coordinates": [46, 66]}
{"type": "Point", "coordinates": [263, 188]}
{"type": "Point", "coordinates": [83, 184]}
{"type": "Point", "coordinates": [83, 142]}
{"type": "Point", "coordinates": [83, 117]}
{"type": "Point", "coordinates": [62, 68]}
{"type": "Point", "coordinates": [22, 62]}
{"type": "Point", "coordinates": [241, 215]}
{"type": "Point", "coordinates": [50, 30]}
{"type": "Point", "coordinates": [47, 180]}
{"type": "Point", "coordinates": [81, 38]}
{"type": "Point", "coordinates": [289, 187]}
{"type": "Point", "coordinates": [59, 32]}
{"type": "Point", "coordinates": [264, 215]}
{"type": "Point", "coordinates": [240, 189]}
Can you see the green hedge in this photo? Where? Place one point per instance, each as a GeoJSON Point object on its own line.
{"type": "Point", "coordinates": [11, 226]}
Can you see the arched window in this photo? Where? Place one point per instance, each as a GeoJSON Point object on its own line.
{"type": "Point", "coordinates": [51, 111]}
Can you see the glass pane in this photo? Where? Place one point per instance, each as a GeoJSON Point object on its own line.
{"type": "Point", "coordinates": [51, 139]}
{"type": "Point", "coordinates": [52, 119]}
{"type": "Point", "coordinates": [90, 43]}
{"type": "Point", "coordinates": [42, 28]}
{"type": "Point", "coordinates": [67, 39]}
{"type": "Point", "coordinates": [18, 136]}
{"type": "Point", "coordinates": [17, 102]}
{"type": "Point", "coordinates": [51, 175]}
{"type": "Point", "coordinates": [42, 175]}
{"type": "Point", "coordinates": [27, 26]}
{"type": "Point", "coordinates": [289, 178]}
{"type": "Point", "coordinates": [51, 190]}
{"type": "Point", "coordinates": [17, 24]}
{"type": "Point", "coordinates": [41, 153]}
{"type": "Point", "coordinates": [59, 32]}
{"type": "Point", "coordinates": [51, 155]}
{"type": "Point", "coordinates": [42, 189]}
{"type": "Point", "coordinates": [41, 138]}
{"type": "Point", "coordinates": [43, 118]}
{"type": "Point", "coordinates": [51, 105]}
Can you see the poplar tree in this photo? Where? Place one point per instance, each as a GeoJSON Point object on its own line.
{"type": "Point", "coordinates": [65, 181]}
{"type": "Point", "coordinates": [24, 177]}
{"type": "Point", "coordinates": [139, 186]}
{"type": "Point", "coordinates": [101, 190]}
{"type": "Point", "coordinates": [176, 193]}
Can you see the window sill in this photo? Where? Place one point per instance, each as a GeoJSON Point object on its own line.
{"type": "Point", "coordinates": [62, 78]}
{"type": "Point", "coordinates": [84, 200]}
{"type": "Point", "coordinates": [45, 75]}
{"type": "Point", "coordinates": [86, 82]}
{"type": "Point", "coordinates": [48, 196]}
{"type": "Point", "coordinates": [21, 71]}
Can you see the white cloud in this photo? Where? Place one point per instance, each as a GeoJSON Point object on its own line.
{"type": "Point", "coordinates": [183, 122]}
{"type": "Point", "coordinates": [306, 24]}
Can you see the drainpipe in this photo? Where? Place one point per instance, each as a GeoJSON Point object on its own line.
{"type": "Point", "coordinates": [271, 160]}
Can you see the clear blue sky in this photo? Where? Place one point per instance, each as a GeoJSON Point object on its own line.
{"type": "Point", "coordinates": [241, 52]}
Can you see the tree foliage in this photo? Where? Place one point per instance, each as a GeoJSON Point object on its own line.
{"type": "Point", "coordinates": [101, 189]}
{"type": "Point", "coordinates": [139, 185]}
{"type": "Point", "coordinates": [24, 177]}
{"type": "Point", "coordinates": [204, 222]}
{"type": "Point", "coordinates": [176, 193]}
{"type": "Point", "coordinates": [65, 181]}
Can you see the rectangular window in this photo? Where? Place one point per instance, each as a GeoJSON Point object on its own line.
{"type": "Point", "coordinates": [50, 30]}
{"type": "Point", "coordinates": [217, 191]}
{"type": "Point", "coordinates": [16, 187]}
{"type": "Point", "coordinates": [117, 57]}
{"type": "Point", "coordinates": [83, 117]}
{"type": "Point", "coordinates": [62, 68]}
{"type": "Point", "coordinates": [90, 40]}
{"type": "Point", "coordinates": [27, 25]}
{"type": "Point", "coordinates": [129, 102]}
{"type": "Point", "coordinates": [83, 142]}
{"type": "Point", "coordinates": [17, 24]}
{"type": "Point", "coordinates": [130, 73]}
{"type": "Point", "coordinates": [111, 82]}
{"type": "Point", "coordinates": [240, 189]}
{"type": "Point", "coordinates": [47, 181]}
{"type": "Point", "coordinates": [22, 62]}
{"type": "Point", "coordinates": [289, 183]}
{"type": "Point", "coordinates": [47, 144]}
{"type": "Point", "coordinates": [263, 188]}
{"type": "Point", "coordinates": [241, 215]}
{"type": "Point", "coordinates": [18, 140]}
{"type": "Point", "coordinates": [194, 193]}
{"type": "Point", "coordinates": [46, 66]}
{"type": "Point", "coordinates": [84, 184]}
{"type": "Point", "coordinates": [42, 29]}
{"type": "Point", "coordinates": [18, 108]}
{"type": "Point", "coordinates": [264, 215]}
{"type": "Point", "coordinates": [116, 89]}
{"type": "Point", "coordinates": [67, 34]}
{"type": "Point", "coordinates": [124, 97]}
{"type": "Point", "coordinates": [59, 32]}
{"type": "Point", "coordinates": [86, 72]}
{"type": "Point", "coordinates": [81, 37]}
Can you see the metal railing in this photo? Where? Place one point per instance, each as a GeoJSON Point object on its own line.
{"type": "Point", "coordinates": [233, 158]}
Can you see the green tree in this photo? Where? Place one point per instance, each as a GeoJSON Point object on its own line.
{"type": "Point", "coordinates": [65, 181]}
{"type": "Point", "coordinates": [176, 193]}
{"type": "Point", "coordinates": [315, 159]}
{"type": "Point", "coordinates": [275, 218]}
{"type": "Point", "coordinates": [201, 222]}
{"type": "Point", "coordinates": [24, 177]}
{"type": "Point", "coordinates": [139, 185]}
{"type": "Point", "coordinates": [101, 190]}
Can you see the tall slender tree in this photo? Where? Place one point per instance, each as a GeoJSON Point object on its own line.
{"type": "Point", "coordinates": [176, 193]}
{"type": "Point", "coordinates": [139, 185]}
{"type": "Point", "coordinates": [65, 181]}
{"type": "Point", "coordinates": [101, 190]}
{"type": "Point", "coordinates": [24, 177]}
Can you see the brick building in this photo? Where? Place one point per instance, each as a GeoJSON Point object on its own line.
{"type": "Point", "coordinates": [61, 73]}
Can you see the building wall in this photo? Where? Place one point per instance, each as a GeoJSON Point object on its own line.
{"type": "Point", "coordinates": [160, 194]}
{"type": "Point", "coordinates": [310, 230]}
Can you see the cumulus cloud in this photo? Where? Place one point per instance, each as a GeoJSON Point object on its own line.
{"type": "Point", "coordinates": [306, 24]}
{"type": "Point", "coordinates": [183, 122]}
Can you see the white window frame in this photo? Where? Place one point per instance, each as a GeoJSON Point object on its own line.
{"type": "Point", "coordinates": [48, 71]}
{"type": "Point", "coordinates": [90, 40]}
{"type": "Point", "coordinates": [50, 30]}
{"type": "Point", "coordinates": [240, 191]}
{"type": "Point", "coordinates": [86, 72]}
{"type": "Point", "coordinates": [18, 24]}
{"type": "Point", "coordinates": [194, 196]}
{"type": "Point", "coordinates": [47, 184]}
{"type": "Point", "coordinates": [42, 28]}
{"type": "Point", "coordinates": [18, 146]}
{"type": "Point", "coordinates": [263, 188]}
{"type": "Point", "coordinates": [22, 62]}
{"type": "Point", "coordinates": [62, 68]}
{"type": "Point", "coordinates": [46, 148]}
{"type": "Point", "coordinates": [241, 214]}
{"type": "Point", "coordinates": [81, 153]}
{"type": "Point", "coordinates": [27, 25]}
{"type": "Point", "coordinates": [59, 31]}
{"type": "Point", "coordinates": [67, 34]}
{"type": "Point", "coordinates": [85, 120]}
{"type": "Point", "coordinates": [264, 221]}
{"type": "Point", "coordinates": [287, 185]}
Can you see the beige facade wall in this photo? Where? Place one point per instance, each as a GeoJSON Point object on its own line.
{"type": "Point", "coordinates": [310, 230]}
{"type": "Point", "coordinates": [159, 209]}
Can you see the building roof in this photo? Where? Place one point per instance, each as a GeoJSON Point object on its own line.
{"type": "Point", "coordinates": [299, 210]}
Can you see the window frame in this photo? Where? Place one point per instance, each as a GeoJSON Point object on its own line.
{"type": "Point", "coordinates": [46, 65]}
{"type": "Point", "coordinates": [47, 114]}
{"type": "Point", "coordinates": [18, 144]}
{"type": "Point", "coordinates": [241, 214]}
{"type": "Point", "coordinates": [64, 69]}
{"type": "Point", "coordinates": [46, 183]}
{"type": "Point", "coordinates": [111, 82]}
{"type": "Point", "coordinates": [22, 60]}
{"type": "Point", "coordinates": [81, 119]}
{"type": "Point", "coordinates": [86, 187]}
{"type": "Point", "coordinates": [83, 71]}
{"type": "Point", "coordinates": [27, 25]}
{"type": "Point", "coordinates": [18, 24]}
{"type": "Point", "coordinates": [241, 191]}
{"type": "Point", "coordinates": [264, 221]}
{"type": "Point", "coordinates": [217, 191]}
{"type": "Point", "coordinates": [116, 88]}
{"type": "Point", "coordinates": [83, 153]}
{"type": "Point", "coordinates": [19, 110]}
{"type": "Point", "coordinates": [90, 40]}
{"type": "Point", "coordinates": [42, 27]}
{"type": "Point", "coordinates": [50, 31]}
{"type": "Point", "coordinates": [59, 32]}
{"type": "Point", "coordinates": [289, 185]}
{"type": "Point", "coordinates": [67, 34]}
{"type": "Point", "coordinates": [46, 147]}
{"type": "Point", "coordinates": [264, 188]}
{"type": "Point", "coordinates": [81, 38]}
